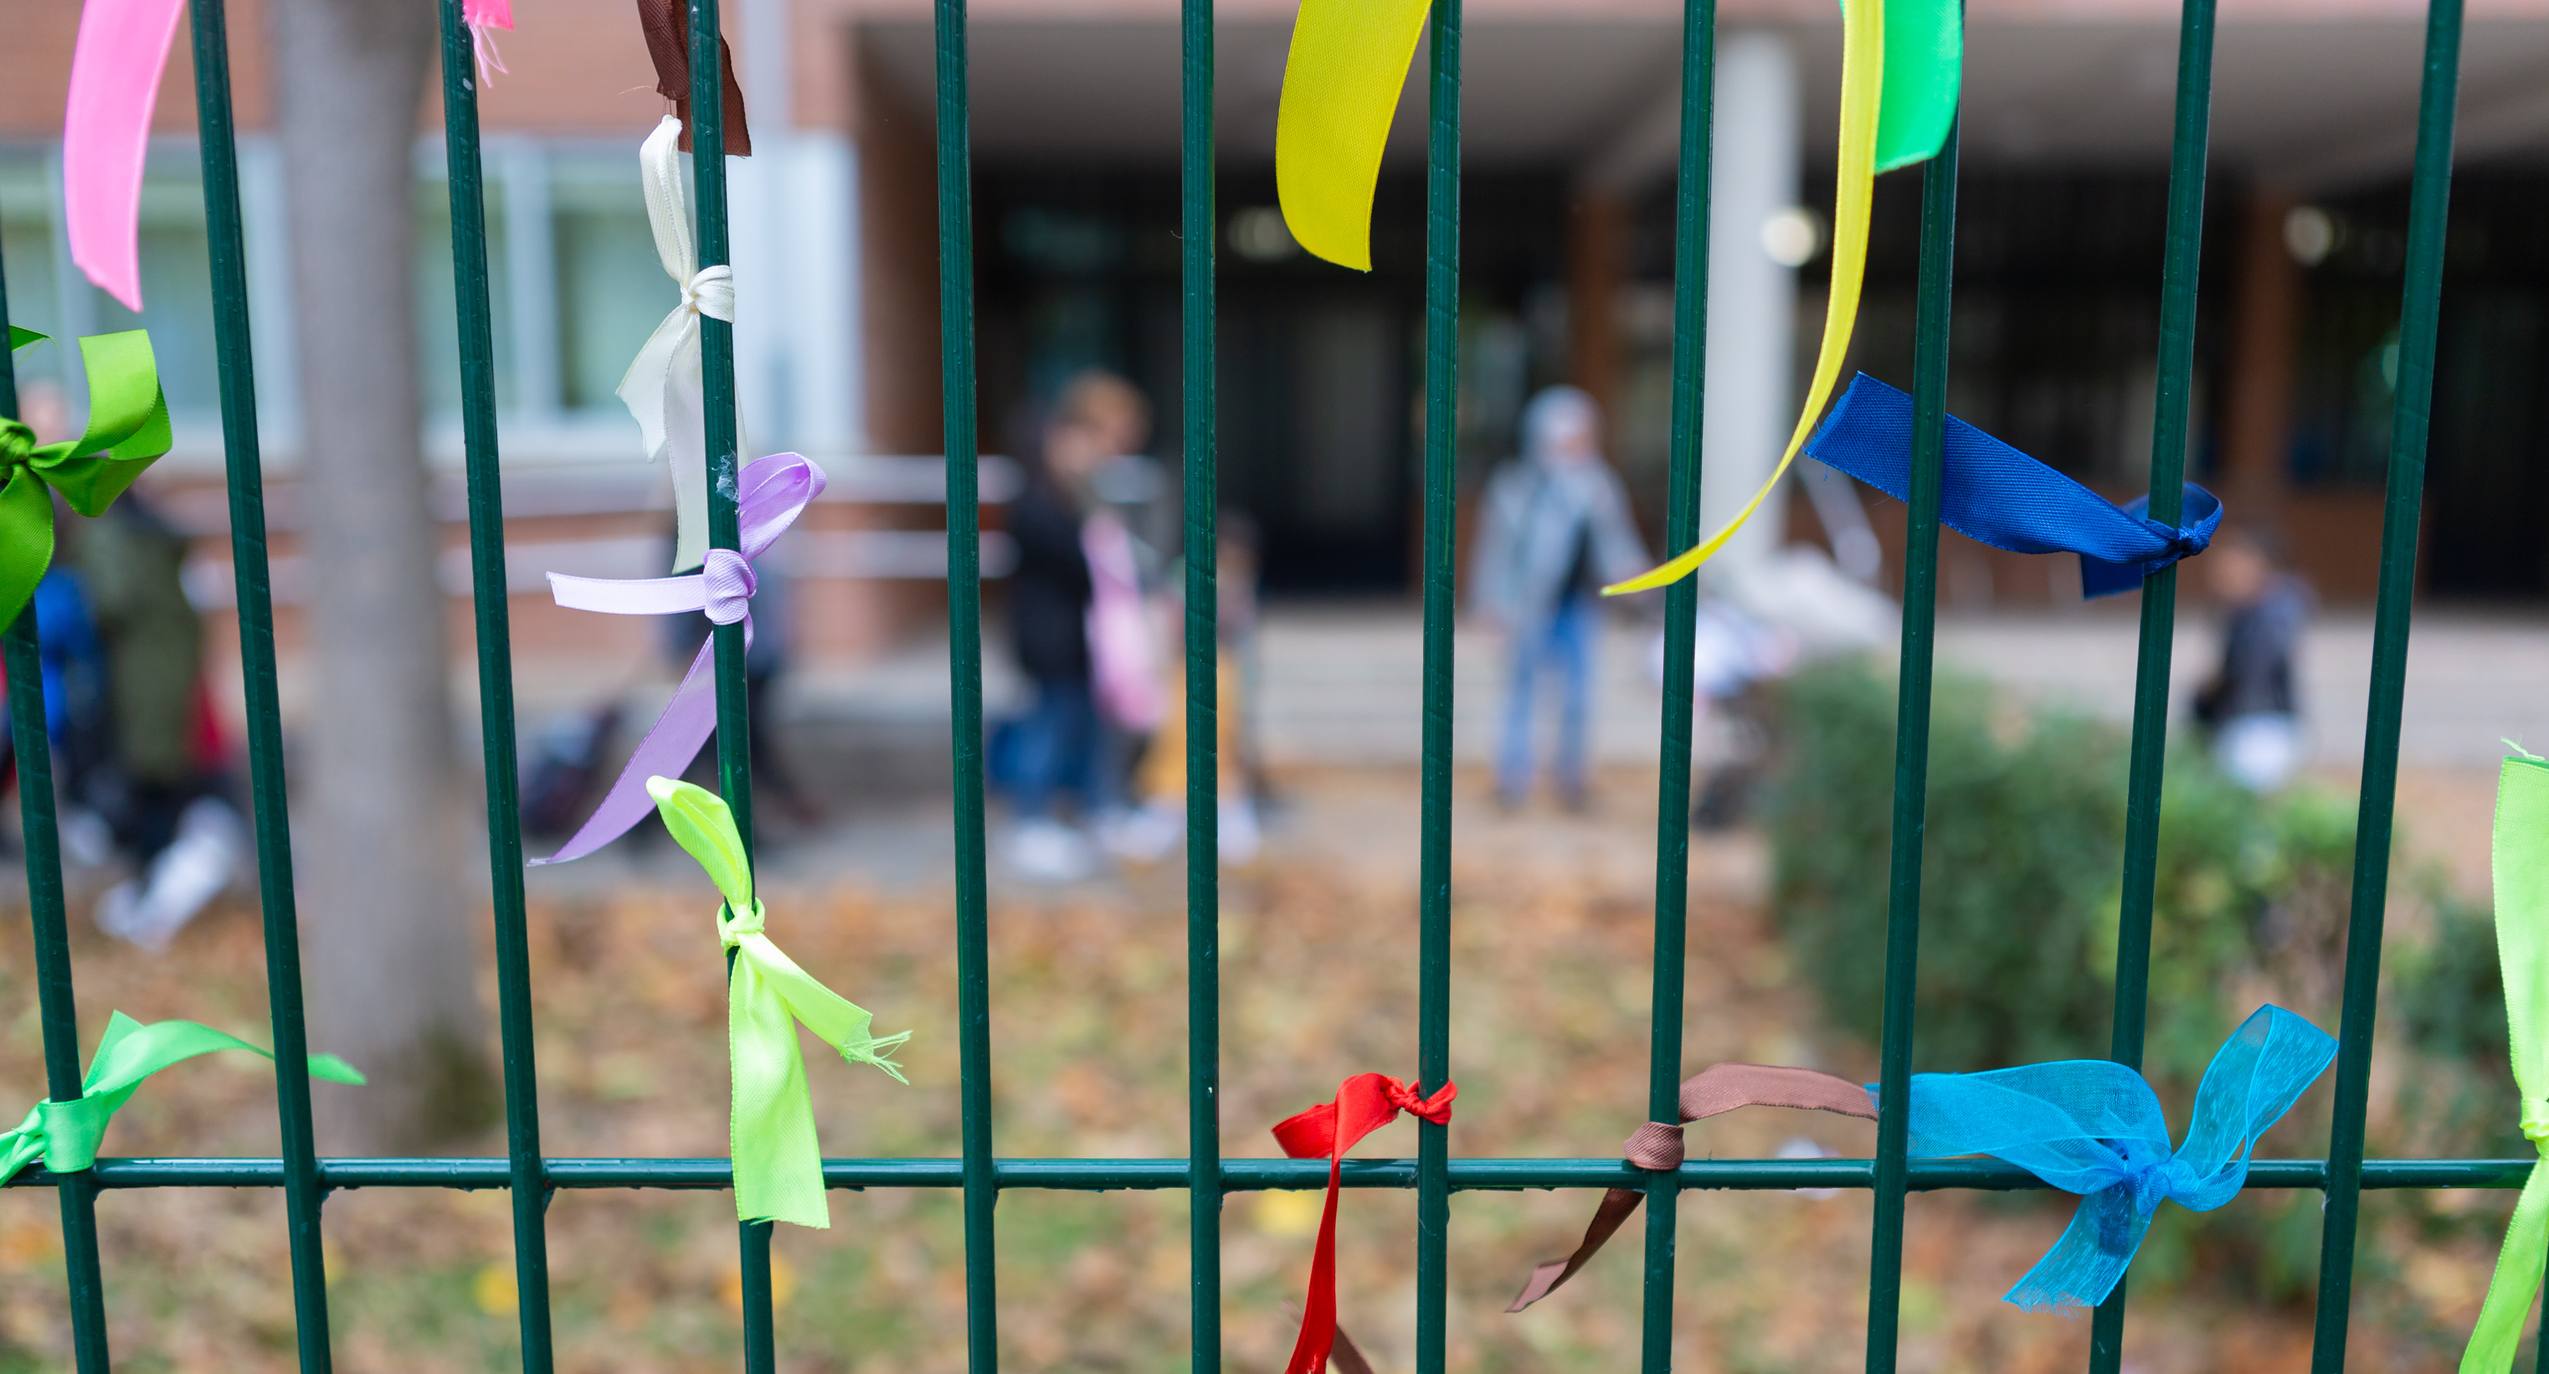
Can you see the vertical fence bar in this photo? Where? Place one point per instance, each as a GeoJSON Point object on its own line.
{"type": "Point", "coordinates": [488, 597]}
{"type": "Point", "coordinates": [1197, 226]}
{"type": "Point", "coordinates": [1681, 613]}
{"type": "Point", "coordinates": [964, 681]}
{"type": "Point", "coordinates": [1911, 750]}
{"type": "Point", "coordinates": [2180, 269]}
{"type": "Point", "coordinates": [2402, 509]}
{"type": "Point", "coordinates": [1442, 496]}
{"type": "Point", "coordinates": [734, 724]}
{"type": "Point", "coordinates": [302, 1192]}
{"type": "Point", "coordinates": [57, 1007]}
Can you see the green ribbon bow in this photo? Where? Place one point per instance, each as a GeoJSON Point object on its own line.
{"type": "Point", "coordinates": [128, 429]}
{"type": "Point", "coordinates": [2522, 949]}
{"type": "Point", "coordinates": [65, 1134]}
{"type": "Point", "coordinates": [778, 1163]}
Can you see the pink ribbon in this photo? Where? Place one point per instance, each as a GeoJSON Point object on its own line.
{"type": "Point", "coordinates": [116, 66]}
{"type": "Point", "coordinates": [776, 490]}
{"type": "Point", "coordinates": [483, 17]}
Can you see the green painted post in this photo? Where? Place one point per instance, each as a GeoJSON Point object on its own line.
{"type": "Point", "coordinates": [734, 723]}
{"type": "Point", "coordinates": [2402, 508]}
{"type": "Point", "coordinates": [1681, 610]}
{"type": "Point", "coordinates": [1911, 750]}
{"type": "Point", "coordinates": [2174, 389]}
{"type": "Point", "coordinates": [964, 673]}
{"type": "Point", "coordinates": [1442, 499]}
{"type": "Point", "coordinates": [302, 1191]}
{"type": "Point", "coordinates": [489, 595]}
{"type": "Point", "coordinates": [1197, 226]}
{"type": "Point", "coordinates": [56, 1006]}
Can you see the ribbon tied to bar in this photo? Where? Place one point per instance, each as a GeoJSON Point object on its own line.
{"type": "Point", "coordinates": [116, 65]}
{"type": "Point", "coordinates": [1363, 1104]}
{"type": "Point", "coordinates": [127, 431]}
{"type": "Point", "coordinates": [775, 490]}
{"type": "Point", "coordinates": [663, 387]}
{"type": "Point", "coordinates": [484, 17]}
{"type": "Point", "coordinates": [1993, 493]}
{"type": "Point", "coordinates": [2094, 1127]}
{"type": "Point", "coordinates": [778, 1161]}
{"type": "Point", "coordinates": [1656, 1146]}
{"type": "Point", "coordinates": [2522, 951]}
{"type": "Point", "coordinates": [667, 27]}
{"type": "Point", "coordinates": [65, 1135]}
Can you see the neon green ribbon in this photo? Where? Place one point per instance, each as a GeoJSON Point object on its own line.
{"type": "Point", "coordinates": [778, 1162]}
{"type": "Point", "coordinates": [128, 428]}
{"type": "Point", "coordinates": [65, 1134]}
{"type": "Point", "coordinates": [2522, 949]}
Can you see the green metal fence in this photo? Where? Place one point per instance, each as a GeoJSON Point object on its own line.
{"type": "Point", "coordinates": [1207, 1177]}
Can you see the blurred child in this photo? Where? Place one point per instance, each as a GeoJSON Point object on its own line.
{"type": "Point", "coordinates": [2250, 709]}
{"type": "Point", "coordinates": [1158, 822]}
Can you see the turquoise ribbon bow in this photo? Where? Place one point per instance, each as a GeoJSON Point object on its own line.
{"type": "Point", "coordinates": [2094, 1127]}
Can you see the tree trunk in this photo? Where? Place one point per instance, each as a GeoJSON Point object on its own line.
{"type": "Point", "coordinates": [392, 978]}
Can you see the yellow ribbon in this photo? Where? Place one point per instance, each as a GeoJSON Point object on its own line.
{"type": "Point", "coordinates": [1862, 87]}
{"type": "Point", "coordinates": [1340, 90]}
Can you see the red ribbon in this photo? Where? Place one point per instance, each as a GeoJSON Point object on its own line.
{"type": "Point", "coordinates": [1364, 1104]}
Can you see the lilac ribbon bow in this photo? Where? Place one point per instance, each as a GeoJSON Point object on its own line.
{"type": "Point", "coordinates": [775, 490]}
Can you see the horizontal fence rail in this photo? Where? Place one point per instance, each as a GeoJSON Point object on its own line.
{"type": "Point", "coordinates": [970, 479]}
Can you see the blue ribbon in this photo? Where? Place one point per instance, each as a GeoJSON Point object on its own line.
{"type": "Point", "coordinates": [1999, 496]}
{"type": "Point", "coordinates": [2094, 1127]}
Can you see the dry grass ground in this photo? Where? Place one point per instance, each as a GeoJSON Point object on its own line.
{"type": "Point", "coordinates": [1550, 977]}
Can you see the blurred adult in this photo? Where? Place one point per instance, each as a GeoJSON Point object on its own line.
{"type": "Point", "coordinates": [1554, 529]}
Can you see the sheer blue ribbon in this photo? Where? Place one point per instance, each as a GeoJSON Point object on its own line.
{"type": "Point", "coordinates": [2094, 1127]}
{"type": "Point", "coordinates": [1996, 495]}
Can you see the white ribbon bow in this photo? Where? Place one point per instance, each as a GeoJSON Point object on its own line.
{"type": "Point", "coordinates": [662, 387]}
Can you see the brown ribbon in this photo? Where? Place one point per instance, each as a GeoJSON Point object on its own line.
{"type": "Point", "coordinates": [667, 25]}
{"type": "Point", "coordinates": [1657, 1147]}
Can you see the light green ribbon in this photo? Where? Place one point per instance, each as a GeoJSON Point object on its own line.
{"type": "Point", "coordinates": [65, 1134]}
{"type": "Point", "coordinates": [778, 1162]}
{"type": "Point", "coordinates": [128, 428]}
{"type": "Point", "coordinates": [2522, 949]}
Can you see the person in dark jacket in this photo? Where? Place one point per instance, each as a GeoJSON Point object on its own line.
{"type": "Point", "coordinates": [2250, 709]}
{"type": "Point", "coordinates": [1097, 419]}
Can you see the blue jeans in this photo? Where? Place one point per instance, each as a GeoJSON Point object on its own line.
{"type": "Point", "coordinates": [1057, 746]}
{"type": "Point", "coordinates": [1562, 643]}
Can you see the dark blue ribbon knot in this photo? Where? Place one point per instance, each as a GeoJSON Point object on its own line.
{"type": "Point", "coordinates": [2094, 1127]}
{"type": "Point", "coordinates": [1994, 494]}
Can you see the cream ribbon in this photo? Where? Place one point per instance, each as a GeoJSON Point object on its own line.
{"type": "Point", "coordinates": [662, 387]}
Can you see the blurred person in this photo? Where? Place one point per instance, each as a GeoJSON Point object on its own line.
{"type": "Point", "coordinates": [163, 782]}
{"type": "Point", "coordinates": [2250, 708]}
{"type": "Point", "coordinates": [1555, 528]}
{"type": "Point", "coordinates": [1158, 822]}
{"type": "Point", "coordinates": [1058, 746]}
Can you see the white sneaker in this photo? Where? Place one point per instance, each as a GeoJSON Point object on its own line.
{"type": "Point", "coordinates": [196, 867]}
{"type": "Point", "coordinates": [1045, 851]}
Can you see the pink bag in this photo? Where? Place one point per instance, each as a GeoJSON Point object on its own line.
{"type": "Point", "coordinates": [1123, 659]}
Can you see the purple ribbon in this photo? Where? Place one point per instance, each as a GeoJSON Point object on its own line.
{"type": "Point", "coordinates": [775, 490]}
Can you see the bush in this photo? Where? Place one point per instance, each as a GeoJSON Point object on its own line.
{"type": "Point", "coordinates": [2021, 886]}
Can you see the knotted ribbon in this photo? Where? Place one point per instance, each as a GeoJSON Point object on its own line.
{"type": "Point", "coordinates": [1657, 1146]}
{"type": "Point", "coordinates": [1992, 493]}
{"type": "Point", "coordinates": [65, 1135]}
{"type": "Point", "coordinates": [1902, 64]}
{"type": "Point", "coordinates": [127, 430]}
{"type": "Point", "coordinates": [2522, 950]}
{"type": "Point", "coordinates": [776, 489]}
{"type": "Point", "coordinates": [1364, 1103]}
{"type": "Point", "coordinates": [778, 1162]}
{"type": "Point", "coordinates": [2094, 1127]}
{"type": "Point", "coordinates": [116, 65]}
{"type": "Point", "coordinates": [662, 387]}
{"type": "Point", "coordinates": [667, 26]}
{"type": "Point", "coordinates": [484, 17]}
